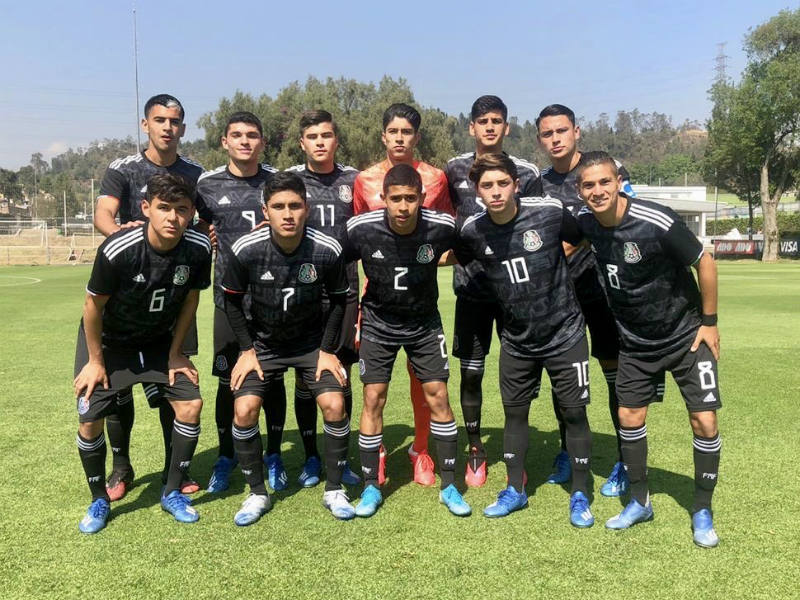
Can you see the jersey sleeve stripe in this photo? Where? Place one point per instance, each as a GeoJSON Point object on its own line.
{"type": "Point", "coordinates": [656, 222]}
{"type": "Point", "coordinates": [210, 173]}
{"type": "Point", "coordinates": [248, 239]}
{"type": "Point", "coordinates": [435, 219]}
{"type": "Point", "coordinates": [663, 221]}
{"type": "Point", "coordinates": [365, 218]}
{"type": "Point", "coordinates": [321, 238]}
{"type": "Point", "coordinates": [473, 218]}
{"type": "Point", "coordinates": [521, 162]}
{"type": "Point", "coordinates": [119, 249]}
{"type": "Point", "coordinates": [652, 212]}
{"type": "Point", "coordinates": [122, 240]}
{"type": "Point", "coordinates": [116, 164]}
{"type": "Point", "coordinates": [230, 291]}
{"type": "Point", "coordinates": [199, 239]}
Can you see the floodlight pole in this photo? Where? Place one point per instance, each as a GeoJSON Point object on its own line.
{"type": "Point", "coordinates": [91, 200]}
{"type": "Point", "coordinates": [136, 80]}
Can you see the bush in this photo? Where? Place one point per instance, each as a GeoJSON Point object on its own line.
{"type": "Point", "coordinates": [788, 224]}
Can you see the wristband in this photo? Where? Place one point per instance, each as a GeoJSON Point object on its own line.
{"type": "Point", "coordinates": [708, 320]}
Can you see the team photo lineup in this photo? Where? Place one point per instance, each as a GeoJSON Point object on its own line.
{"type": "Point", "coordinates": [560, 263]}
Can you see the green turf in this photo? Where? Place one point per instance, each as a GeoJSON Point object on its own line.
{"type": "Point", "coordinates": [412, 548]}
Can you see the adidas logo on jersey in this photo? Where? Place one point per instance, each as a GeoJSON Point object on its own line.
{"type": "Point", "coordinates": [488, 251]}
{"type": "Point", "coordinates": [139, 278]}
{"type": "Point", "coordinates": [377, 254]}
{"type": "Point", "coordinates": [144, 189]}
{"type": "Point", "coordinates": [585, 394]}
{"type": "Point", "coordinates": [710, 397]}
{"type": "Point", "coordinates": [267, 276]}
{"type": "Point", "coordinates": [463, 185]}
{"type": "Point", "coordinates": [223, 200]}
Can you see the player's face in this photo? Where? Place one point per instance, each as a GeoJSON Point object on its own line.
{"type": "Point", "coordinates": [599, 188]}
{"type": "Point", "coordinates": [319, 143]}
{"type": "Point", "coordinates": [164, 127]}
{"type": "Point", "coordinates": [497, 189]}
{"type": "Point", "coordinates": [558, 136]}
{"type": "Point", "coordinates": [489, 130]}
{"type": "Point", "coordinates": [400, 140]}
{"type": "Point", "coordinates": [168, 220]}
{"type": "Point", "coordinates": [402, 207]}
{"type": "Point", "coordinates": [286, 212]}
{"type": "Point", "coordinates": [243, 142]}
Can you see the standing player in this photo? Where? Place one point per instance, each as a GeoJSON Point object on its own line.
{"type": "Point", "coordinates": [518, 243]}
{"type": "Point", "coordinates": [122, 190]}
{"type": "Point", "coordinates": [285, 268]}
{"type": "Point", "coordinates": [229, 203]}
{"type": "Point", "coordinates": [329, 187]}
{"type": "Point", "coordinates": [400, 136]}
{"type": "Point", "coordinates": [666, 323]}
{"type": "Point", "coordinates": [476, 308]}
{"type": "Point", "coordinates": [558, 136]}
{"type": "Point", "coordinates": [399, 248]}
{"type": "Point", "coordinates": [142, 297]}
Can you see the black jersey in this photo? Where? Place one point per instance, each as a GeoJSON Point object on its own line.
{"type": "Point", "coordinates": [233, 204]}
{"type": "Point", "coordinates": [330, 205]}
{"type": "Point", "coordinates": [147, 287]}
{"type": "Point", "coordinates": [400, 302]}
{"type": "Point", "coordinates": [285, 289]}
{"type": "Point", "coordinates": [645, 262]}
{"type": "Point", "coordinates": [564, 186]}
{"type": "Point", "coordinates": [126, 179]}
{"type": "Point", "coordinates": [525, 266]}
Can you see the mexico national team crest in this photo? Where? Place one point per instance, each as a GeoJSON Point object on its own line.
{"type": "Point", "coordinates": [307, 273]}
{"type": "Point", "coordinates": [425, 253]}
{"type": "Point", "coordinates": [83, 405]}
{"type": "Point", "coordinates": [181, 275]}
{"type": "Point", "coordinates": [632, 253]}
{"type": "Point", "coordinates": [345, 194]}
{"type": "Point", "coordinates": [531, 240]}
{"type": "Point", "coordinates": [221, 363]}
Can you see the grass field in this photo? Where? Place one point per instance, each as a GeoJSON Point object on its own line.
{"type": "Point", "coordinates": [412, 548]}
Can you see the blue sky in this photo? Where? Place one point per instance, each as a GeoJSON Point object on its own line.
{"type": "Point", "coordinates": [68, 67]}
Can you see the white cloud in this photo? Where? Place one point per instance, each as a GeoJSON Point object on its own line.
{"type": "Point", "coordinates": [55, 148]}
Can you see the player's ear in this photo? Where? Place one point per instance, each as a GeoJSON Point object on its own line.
{"type": "Point", "coordinates": [577, 133]}
{"type": "Point", "coordinates": [507, 129]}
{"type": "Point", "coordinates": [471, 129]}
{"type": "Point", "coordinates": [516, 186]}
{"type": "Point", "coordinates": [182, 130]}
{"type": "Point", "coordinates": [146, 208]}
{"type": "Point", "coordinates": [422, 197]}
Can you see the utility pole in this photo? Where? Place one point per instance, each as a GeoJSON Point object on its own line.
{"type": "Point", "coordinates": [65, 213]}
{"type": "Point", "coordinates": [136, 80]}
{"type": "Point", "coordinates": [91, 200]}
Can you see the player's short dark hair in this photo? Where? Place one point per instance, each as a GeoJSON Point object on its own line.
{"type": "Point", "coordinates": [555, 110]}
{"type": "Point", "coordinates": [487, 104]}
{"type": "Point", "coordinates": [244, 116]}
{"type": "Point", "coordinates": [164, 100]}
{"type": "Point", "coordinates": [284, 181]}
{"type": "Point", "coordinates": [402, 111]}
{"type": "Point", "coordinates": [310, 118]}
{"type": "Point", "coordinates": [169, 187]}
{"type": "Point", "coordinates": [492, 162]}
{"type": "Point", "coordinates": [591, 159]}
{"type": "Point", "coordinates": [402, 174]}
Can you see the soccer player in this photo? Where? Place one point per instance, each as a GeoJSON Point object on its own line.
{"type": "Point", "coordinates": [329, 187]}
{"type": "Point", "coordinates": [142, 297]}
{"type": "Point", "coordinates": [400, 136]}
{"type": "Point", "coordinates": [558, 136]}
{"type": "Point", "coordinates": [122, 190]}
{"type": "Point", "coordinates": [229, 203]}
{"type": "Point", "coordinates": [518, 243]}
{"type": "Point", "coordinates": [476, 308]}
{"type": "Point", "coordinates": [666, 323]}
{"type": "Point", "coordinates": [399, 248]}
{"type": "Point", "coordinates": [285, 268]}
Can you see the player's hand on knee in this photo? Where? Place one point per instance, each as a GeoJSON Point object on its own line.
{"type": "Point", "coordinates": [709, 335]}
{"type": "Point", "coordinates": [179, 363]}
{"type": "Point", "coordinates": [247, 362]}
{"type": "Point", "coordinates": [91, 374]}
{"type": "Point", "coordinates": [329, 362]}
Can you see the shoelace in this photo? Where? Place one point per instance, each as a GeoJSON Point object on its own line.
{"type": "Point", "coordinates": [177, 501]}
{"type": "Point", "coordinates": [506, 497]}
{"type": "Point", "coordinates": [98, 510]}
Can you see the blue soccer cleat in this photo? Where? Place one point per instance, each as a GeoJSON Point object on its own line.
{"type": "Point", "coordinates": [180, 507]}
{"type": "Point", "coordinates": [348, 476]}
{"type": "Point", "coordinates": [630, 515]}
{"type": "Point", "coordinates": [507, 502]}
{"type": "Point", "coordinates": [276, 474]}
{"type": "Point", "coordinates": [452, 499]}
{"type": "Point", "coordinates": [221, 475]}
{"type": "Point", "coordinates": [338, 503]}
{"type": "Point", "coordinates": [703, 529]}
{"type": "Point", "coordinates": [579, 513]}
{"type": "Point", "coordinates": [371, 499]}
{"type": "Point", "coordinates": [617, 483]}
{"type": "Point", "coordinates": [96, 517]}
{"type": "Point", "coordinates": [309, 476]}
{"type": "Point", "coordinates": [562, 469]}
{"type": "Point", "coordinates": [253, 508]}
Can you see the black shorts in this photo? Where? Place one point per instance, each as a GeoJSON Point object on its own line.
{"type": "Point", "coordinates": [190, 343]}
{"type": "Point", "coordinates": [428, 358]}
{"type": "Point", "coordinates": [695, 373]}
{"type": "Point", "coordinates": [473, 331]}
{"type": "Point", "coordinates": [346, 350]}
{"type": "Point", "coordinates": [274, 368]}
{"type": "Point", "coordinates": [226, 346]}
{"type": "Point", "coordinates": [124, 368]}
{"type": "Point", "coordinates": [598, 316]}
{"type": "Point", "coordinates": [521, 378]}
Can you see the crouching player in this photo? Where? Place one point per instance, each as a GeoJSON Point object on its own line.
{"type": "Point", "coordinates": [142, 297]}
{"type": "Point", "coordinates": [399, 247]}
{"type": "Point", "coordinates": [665, 324]}
{"type": "Point", "coordinates": [285, 269]}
